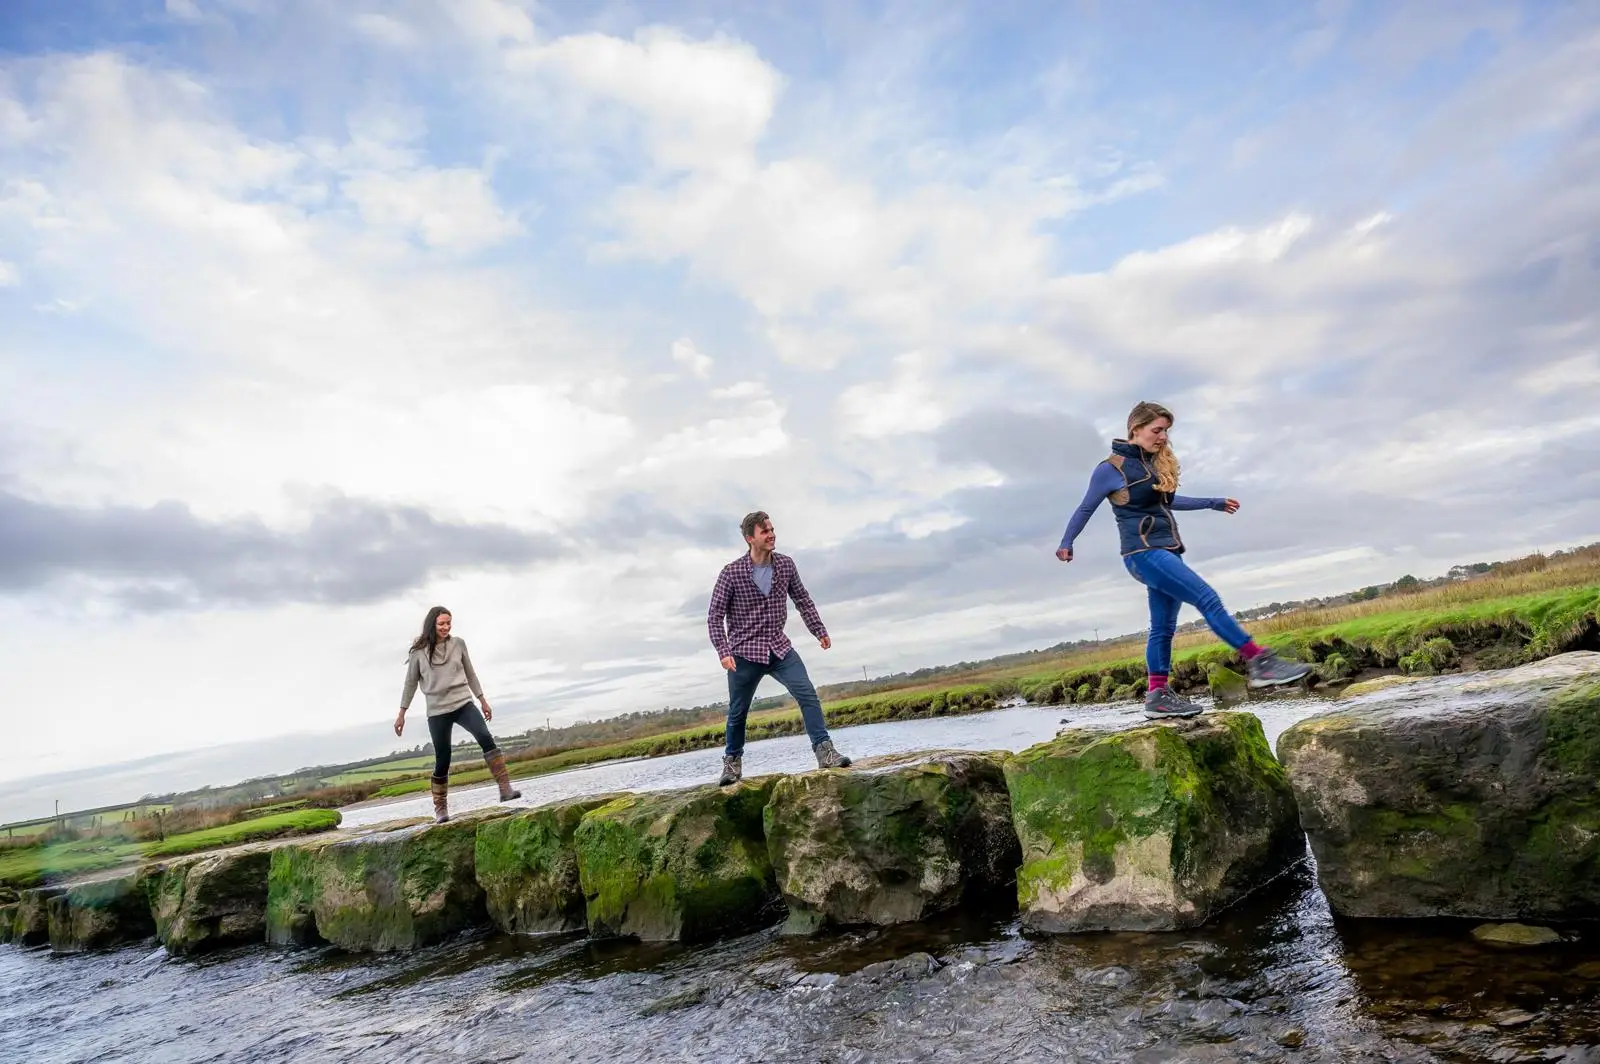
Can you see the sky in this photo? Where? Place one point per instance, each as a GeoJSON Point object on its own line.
{"type": "Point", "coordinates": [315, 315]}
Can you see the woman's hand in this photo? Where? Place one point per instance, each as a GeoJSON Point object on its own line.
{"type": "Point", "coordinates": [400, 722]}
{"type": "Point", "coordinates": [488, 714]}
{"type": "Point", "coordinates": [1065, 554]}
{"type": "Point", "coordinates": [1230, 506]}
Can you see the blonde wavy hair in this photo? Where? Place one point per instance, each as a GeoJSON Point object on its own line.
{"type": "Point", "coordinates": [1166, 462]}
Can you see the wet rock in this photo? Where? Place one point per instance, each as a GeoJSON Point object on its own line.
{"type": "Point", "coordinates": [103, 912]}
{"type": "Point", "coordinates": [1157, 827]}
{"type": "Point", "coordinates": [1469, 795]}
{"type": "Point", "coordinates": [1290, 1037]}
{"type": "Point", "coordinates": [1377, 683]}
{"type": "Point", "coordinates": [1512, 1018]}
{"type": "Point", "coordinates": [1114, 976]}
{"type": "Point", "coordinates": [292, 890]}
{"type": "Point", "coordinates": [31, 924]}
{"type": "Point", "coordinates": [681, 866]}
{"type": "Point", "coordinates": [527, 865]}
{"type": "Point", "coordinates": [894, 839]}
{"type": "Point", "coordinates": [1515, 935]}
{"type": "Point", "coordinates": [683, 999]}
{"type": "Point", "coordinates": [401, 889]}
{"type": "Point", "coordinates": [912, 966]}
{"type": "Point", "coordinates": [208, 901]}
{"type": "Point", "coordinates": [1226, 685]}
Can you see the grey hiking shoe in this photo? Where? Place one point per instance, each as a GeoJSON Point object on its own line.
{"type": "Point", "coordinates": [1163, 702]}
{"type": "Point", "coordinates": [828, 757]}
{"type": "Point", "coordinates": [732, 770]}
{"type": "Point", "coordinates": [1268, 670]}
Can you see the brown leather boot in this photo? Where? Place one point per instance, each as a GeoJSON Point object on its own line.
{"type": "Point", "coordinates": [440, 786]}
{"type": "Point", "coordinates": [497, 768]}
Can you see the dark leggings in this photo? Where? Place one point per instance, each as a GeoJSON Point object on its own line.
{"type": "Point", "coordinates": [468, 716]}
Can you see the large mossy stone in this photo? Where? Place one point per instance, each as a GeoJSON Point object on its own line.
{"type": "Point", "coordinates": [31, 924]}
{"type": "Point", "coordinates": [400, 889]}
{"type": "Point", "coordinates": [892, 840]}
{"type": "Point", "coordinates": [1469, 795]}
{"type": "Point", "coordinates": [211, 900]}
{"type": "Point", "coordinates": [527, 865]}
{"type": "Point", "coordinates": [1157, 827]}
{"type": "Point", "coordinates": [8, 922]}
{"type": "Point", "coordinates": [100, 913]}
{"type": "Point", "coordinates": [678, 866]}
{"type": "Point", "coordinates": [292, 871]}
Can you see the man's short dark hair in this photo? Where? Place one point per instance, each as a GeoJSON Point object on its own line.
{"type": "Point", "coordinates": [753, 521]}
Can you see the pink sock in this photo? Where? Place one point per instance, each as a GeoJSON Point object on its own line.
{"type": "Point", "coordinates": [1250, 650]}
{"type": "Point", "coordinates": [1158, 680]}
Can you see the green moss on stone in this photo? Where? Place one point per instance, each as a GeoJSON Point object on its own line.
{"type": "Point", "coordinates": [1155, 826]}
{"type": "Point", "coordinates": [208, 901]}
{"type": "Point", "coordinates": [527, 865]}
{"type": "Point", "coordinates": [677, 866]}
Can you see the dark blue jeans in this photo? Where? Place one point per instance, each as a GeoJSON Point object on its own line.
{"type": "Point", "coordinates": [1172, 583]}
{"type": "Point", "coordinates": [788, 670]}
{"type": "Point", "coordinates": [470, 717]}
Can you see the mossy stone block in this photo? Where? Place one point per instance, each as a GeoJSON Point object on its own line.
{"type": "Point", "coordinates": [891, 840]}
{"type": "Point", "coordinates": [1157, 827]}
{"type": "Point", "coordinates": [527, 865]}
{"type": "Point", "coordinates": [678, 866]}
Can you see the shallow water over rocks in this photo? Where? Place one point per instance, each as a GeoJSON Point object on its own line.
{"type": "Point", "coordinates": [1277, 978]}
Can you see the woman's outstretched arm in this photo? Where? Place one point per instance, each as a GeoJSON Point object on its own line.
{"type": "Point", "coordinates": [1102, 482]}
{"type": "Point", "coordinates": [1196, 502]}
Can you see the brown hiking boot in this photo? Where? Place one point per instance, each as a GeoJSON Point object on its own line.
{"type": "Point", "coordinates": [828, 757]}
{"type": "Point", "coordinates": [497, 768]}
{"type": "Point", "coordinates": [732, 770]}
{"type": "Point", "coordinates": [440, 786]}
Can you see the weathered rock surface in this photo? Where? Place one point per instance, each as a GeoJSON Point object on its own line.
{"type": "Point", "coordinates": [527, 865]}
{"type": "Point", "coordinates": [1157, 827]}
{"type": "Point", "coordinates": [1470, 795]}
{"type": "Point", "coordinates": [678, 865]}
{"type": "Point", "coordinates": [99, 913]}
{"type": "Point", "coordinates": [399, 889]}
{"type": "Point", "coordinates": [8, 922]}
{"type": "Point", "coordinates": [1515, 935]}
{"type": "Point", "coordinates": [892, 840]}
{"type": "Point", "coordinates": [31, 924]}
{"type": "Point", "coordinates": [207, 901]}
{"type": "Point", "coordinates": [292, 873]}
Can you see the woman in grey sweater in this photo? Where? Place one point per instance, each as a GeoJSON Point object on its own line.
{"type": "Point", "coordinates": [439, 664]}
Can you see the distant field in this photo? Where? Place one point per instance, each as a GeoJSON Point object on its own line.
{"type": "Point", "coordinates": [399, 767]}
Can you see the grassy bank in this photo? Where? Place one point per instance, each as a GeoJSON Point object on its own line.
{"type": "Point", "coordinates": [31, 866]}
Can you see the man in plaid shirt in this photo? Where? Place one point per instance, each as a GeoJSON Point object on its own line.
{"type": "Point", "coordinates": [749, 606]}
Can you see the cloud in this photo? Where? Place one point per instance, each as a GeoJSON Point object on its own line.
{"type": "Point", "coordinates": [346, 551]}
{"type": "Point", "coordinates": [9, 276]}
{"type": "Point", "coordinates": [685, 354]}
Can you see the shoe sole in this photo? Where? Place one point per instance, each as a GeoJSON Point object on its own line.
{"type": "Point", "coordinates": [1172, 716]}
{"type": "Point", "coordinates": [1258, 684]}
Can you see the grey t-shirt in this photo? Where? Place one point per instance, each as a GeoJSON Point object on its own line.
{"type": "Point", "coordinates": [762, 575]}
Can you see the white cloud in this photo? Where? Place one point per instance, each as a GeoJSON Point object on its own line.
{"type": "Point", "coordinates": [9, 274]}
{"type": "Point", "coordinates": [691, 358]}
{"type": "Point", "coordinates": [452, 209]}
{"type": "Point", "coordinates": [908, 402]}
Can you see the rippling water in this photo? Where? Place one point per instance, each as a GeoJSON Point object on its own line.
{"type": "Point", "coordinates": [1275, 979]}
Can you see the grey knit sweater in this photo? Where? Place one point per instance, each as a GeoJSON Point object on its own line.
{"type": "Point", "coordinates": [447, 678]}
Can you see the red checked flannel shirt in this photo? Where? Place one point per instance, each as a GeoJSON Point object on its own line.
{"type": "Point", "coordinates": [749, 624]}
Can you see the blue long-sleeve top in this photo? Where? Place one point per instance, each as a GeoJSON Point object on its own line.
{"type": "Point", "coordinates": [1102, 482]}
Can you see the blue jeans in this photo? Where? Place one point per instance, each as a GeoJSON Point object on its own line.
{"type": "Point", "coordinates": [788, 670]}
{"type": "Point", "coordinates": [1172, 583]}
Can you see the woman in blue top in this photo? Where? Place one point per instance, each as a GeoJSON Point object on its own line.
{"type": "Point", "coordinates": [1141, 480]}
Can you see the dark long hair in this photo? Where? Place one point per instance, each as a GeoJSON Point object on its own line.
{"type": "Point", "coordinates": [430, 635]}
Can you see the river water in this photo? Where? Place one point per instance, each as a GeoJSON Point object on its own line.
{"type": "Point", "coordinates": [1277, 978]}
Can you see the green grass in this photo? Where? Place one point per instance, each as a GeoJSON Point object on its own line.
{"type": "Point", "coordinates": [404, 766]}
{"type": "Point", "coordinates": [31, 866]}
{"type": "Point", "coordinates": [296, 822]}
